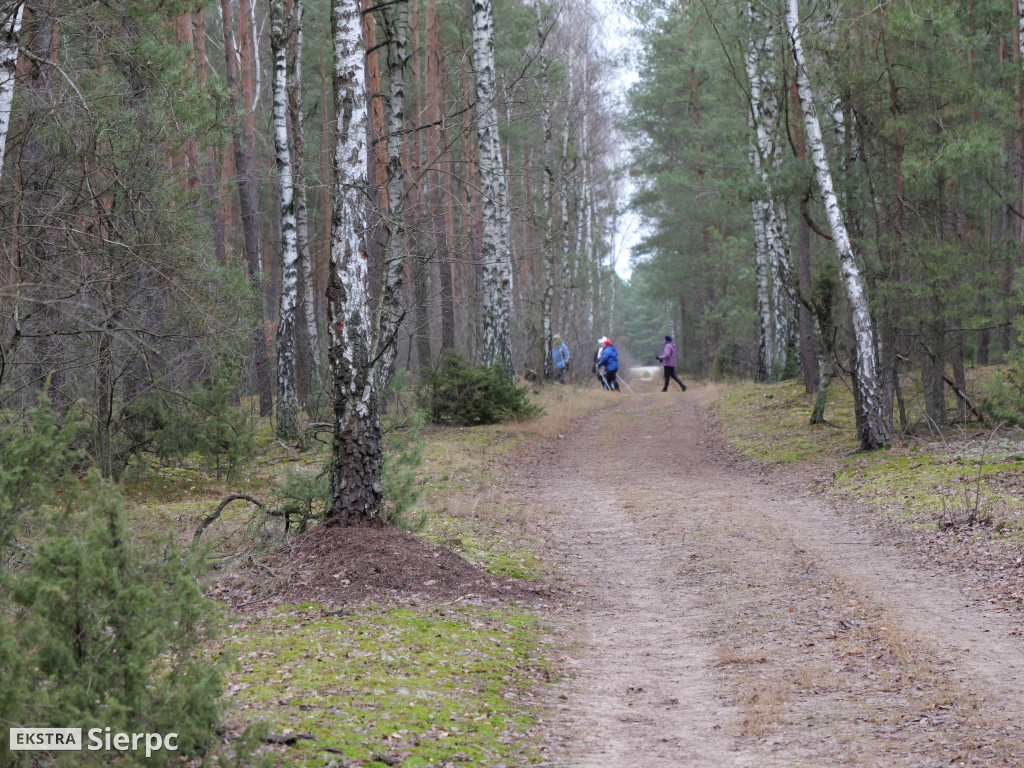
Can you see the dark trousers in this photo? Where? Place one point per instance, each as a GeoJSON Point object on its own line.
{"type": "Point", "coordinates": [670, 373]}
{"type": "Point", "coordinates": [610, 378]}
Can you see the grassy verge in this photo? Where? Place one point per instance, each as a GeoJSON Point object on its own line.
{"type": "Point", "coordinates": [969, 479]}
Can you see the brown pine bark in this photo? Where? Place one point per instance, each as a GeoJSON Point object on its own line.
{"type": "Point", "coordinates": [214, 205]}
{"type": "Point", "coordinates": [248, 199]}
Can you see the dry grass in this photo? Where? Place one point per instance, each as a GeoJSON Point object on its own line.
{"type": "Point", "coordinates": [764, 699]}
{"type": "Point", "coordinates": [563, 405]}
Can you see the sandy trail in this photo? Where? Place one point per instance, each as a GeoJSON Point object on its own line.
{"type": "Point", "coordinates": [723, 619]}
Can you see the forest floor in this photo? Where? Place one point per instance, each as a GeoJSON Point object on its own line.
{"type": "Point", "coordinates": [657, 579]}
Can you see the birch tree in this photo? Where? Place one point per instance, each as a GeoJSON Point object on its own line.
{"type": "Point", "coordinates": [356, 486]}
{"type": "Point", "coordinates": [10, 36]}
{"type": "Point", "coordinates": [287, 399]}
{"type": "Point", "coordinates": [311, 377]}
{"type": "Point", "coordinates": [548, 187]}
{"type": "Point", "coordinates": [871, 421]}
{"type": "Point", "coordinates": [494, 250]}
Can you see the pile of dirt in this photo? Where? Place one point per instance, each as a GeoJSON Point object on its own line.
{"type": "Point", "coordinates": [342, 565]}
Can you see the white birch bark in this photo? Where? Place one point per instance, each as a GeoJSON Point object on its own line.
{"type": "Point", "coordinates": [396, 20]}
{"type": "Point", "coordinates": [563, 201]}
{"type": "Point", "coordinates": [871, 422]}
{"type": "Point", "coordinates": [356, 486]}
{"type": "Point", "coordinates": [10, 37]}
{"type": "Point", "coordinates": [497, 266]}
{"type": "Point", "coordinates": [546, 195]}
{"type": "Point", "coordinates": [759, 216]}
{"type": "Point", "coordinates": [301, 209]}
{"type": "Point", "coordinates": [287, 394]}
{"type": "Point", "coordinates": [764, 309]}
{"type": "Point", "coordinates": [766, 159]}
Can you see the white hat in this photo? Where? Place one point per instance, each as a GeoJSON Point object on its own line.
{"type": "Point", "coordinates": [602, 340]}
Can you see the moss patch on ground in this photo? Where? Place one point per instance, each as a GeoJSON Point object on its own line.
{"type": "Point", "coordinates": [434, 685]}
{"type": "Point", "coordinates": [968, 478]}
{"type": "Point", "coordinates": [771, 422]}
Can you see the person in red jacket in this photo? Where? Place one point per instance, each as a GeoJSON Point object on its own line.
{"type": "Point", "coordinates": [668, 359]}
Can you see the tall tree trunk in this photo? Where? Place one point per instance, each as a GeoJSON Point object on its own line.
{"type": "Point", "coordinates": [435, 179]}
{"type": "Point", "coordinates": [309, 373]}
{"type": "Point", "coordinates": [548, 188]}
{"type": "Point", "coordinates": [287, 397]}
{"type": "Point", "coordinates": [396, 20]}
{"type": "Point", "coordinates": [809, 360]}
{"type": "Point", "coordinates": [564, 269]}
{"type": "Point", "coordinates": [758, 212]}
{"type": "Point", "coordinates": [933, 365]}
{"type": "Point", "coordinates": [891, 311]}
{"type": "Point", "coordinates": [766, 160]}
{"type": "Point", "coordinates": [765, 343]}
{"type": "Point", "coordinates": [497, 266]}
{"type": "Point", "coordinates": [873, 433]}
{"type": "Point", "coordinates": [10, 37]}
{"type": "Point", "coordinates": [248, 200]}
{"type": "Point", "coordinates": [358, 458]}
{"type": "Point", "coordinates": [215, 210]}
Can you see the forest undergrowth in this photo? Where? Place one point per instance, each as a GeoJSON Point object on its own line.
{"type": "Point", "coordinates": [404, 675]}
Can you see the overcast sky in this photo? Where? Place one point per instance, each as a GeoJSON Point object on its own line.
{"type": "Point", "coordinates": [617, 42]}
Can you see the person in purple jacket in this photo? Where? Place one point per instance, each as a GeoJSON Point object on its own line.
{"type": "Point", "coordinates": [668, 359]}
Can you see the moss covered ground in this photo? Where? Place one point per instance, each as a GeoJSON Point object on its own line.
{"type": "Point", "coordinates": [427, 685]}
{"type": "Point", "coordinates": [970, 477]}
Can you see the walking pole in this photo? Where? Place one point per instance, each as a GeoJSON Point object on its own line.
{"type": "Point", "coordinates": [626, 385]}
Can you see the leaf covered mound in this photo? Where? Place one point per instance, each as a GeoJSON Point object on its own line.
{"type": "Point", "coordinates": [344, 565]}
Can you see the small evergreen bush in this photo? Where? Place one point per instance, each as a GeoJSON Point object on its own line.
{"type": "Point", "coordinates": [456, 392]}
{"type": "Point", "coordinates": [1003, 401]}
{"type": "Point", "coordinates": [403, 455]}
{"type": "Point", "coordinates": [205, 422]}
{"type": "Point", "coordinates": [96, 629]}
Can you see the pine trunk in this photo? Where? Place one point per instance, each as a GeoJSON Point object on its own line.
{"type": "Point", "coordinates": [248, 200]}
{"type": "Point", "coordinates": [215, 210]}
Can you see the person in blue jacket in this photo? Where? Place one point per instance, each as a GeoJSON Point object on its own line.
{"type": "Point", "coordinates": [560, 358]}
{"type": "Point", "coordinates": [609, 360]}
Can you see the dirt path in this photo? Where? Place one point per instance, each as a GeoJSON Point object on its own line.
{"type": "Point", "coordinates": [723, 619]}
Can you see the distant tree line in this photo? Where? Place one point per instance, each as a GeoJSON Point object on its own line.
{"type": "Point", "coordinates": [169, 189]}
{"type": "Point", "coordinates": [837, 183]}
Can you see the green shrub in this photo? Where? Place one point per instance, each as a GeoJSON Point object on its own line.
{"type": "Point", "coordinates": [456, 392]}
{"type": "Point", "coordinates": [403, 455]}
{"type": "Point", "coordinates": [205, 422]}
{"type": "Point", "coordinates": [1003, 401]}
{"type": "Point", "coordinates": [96, 630]}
